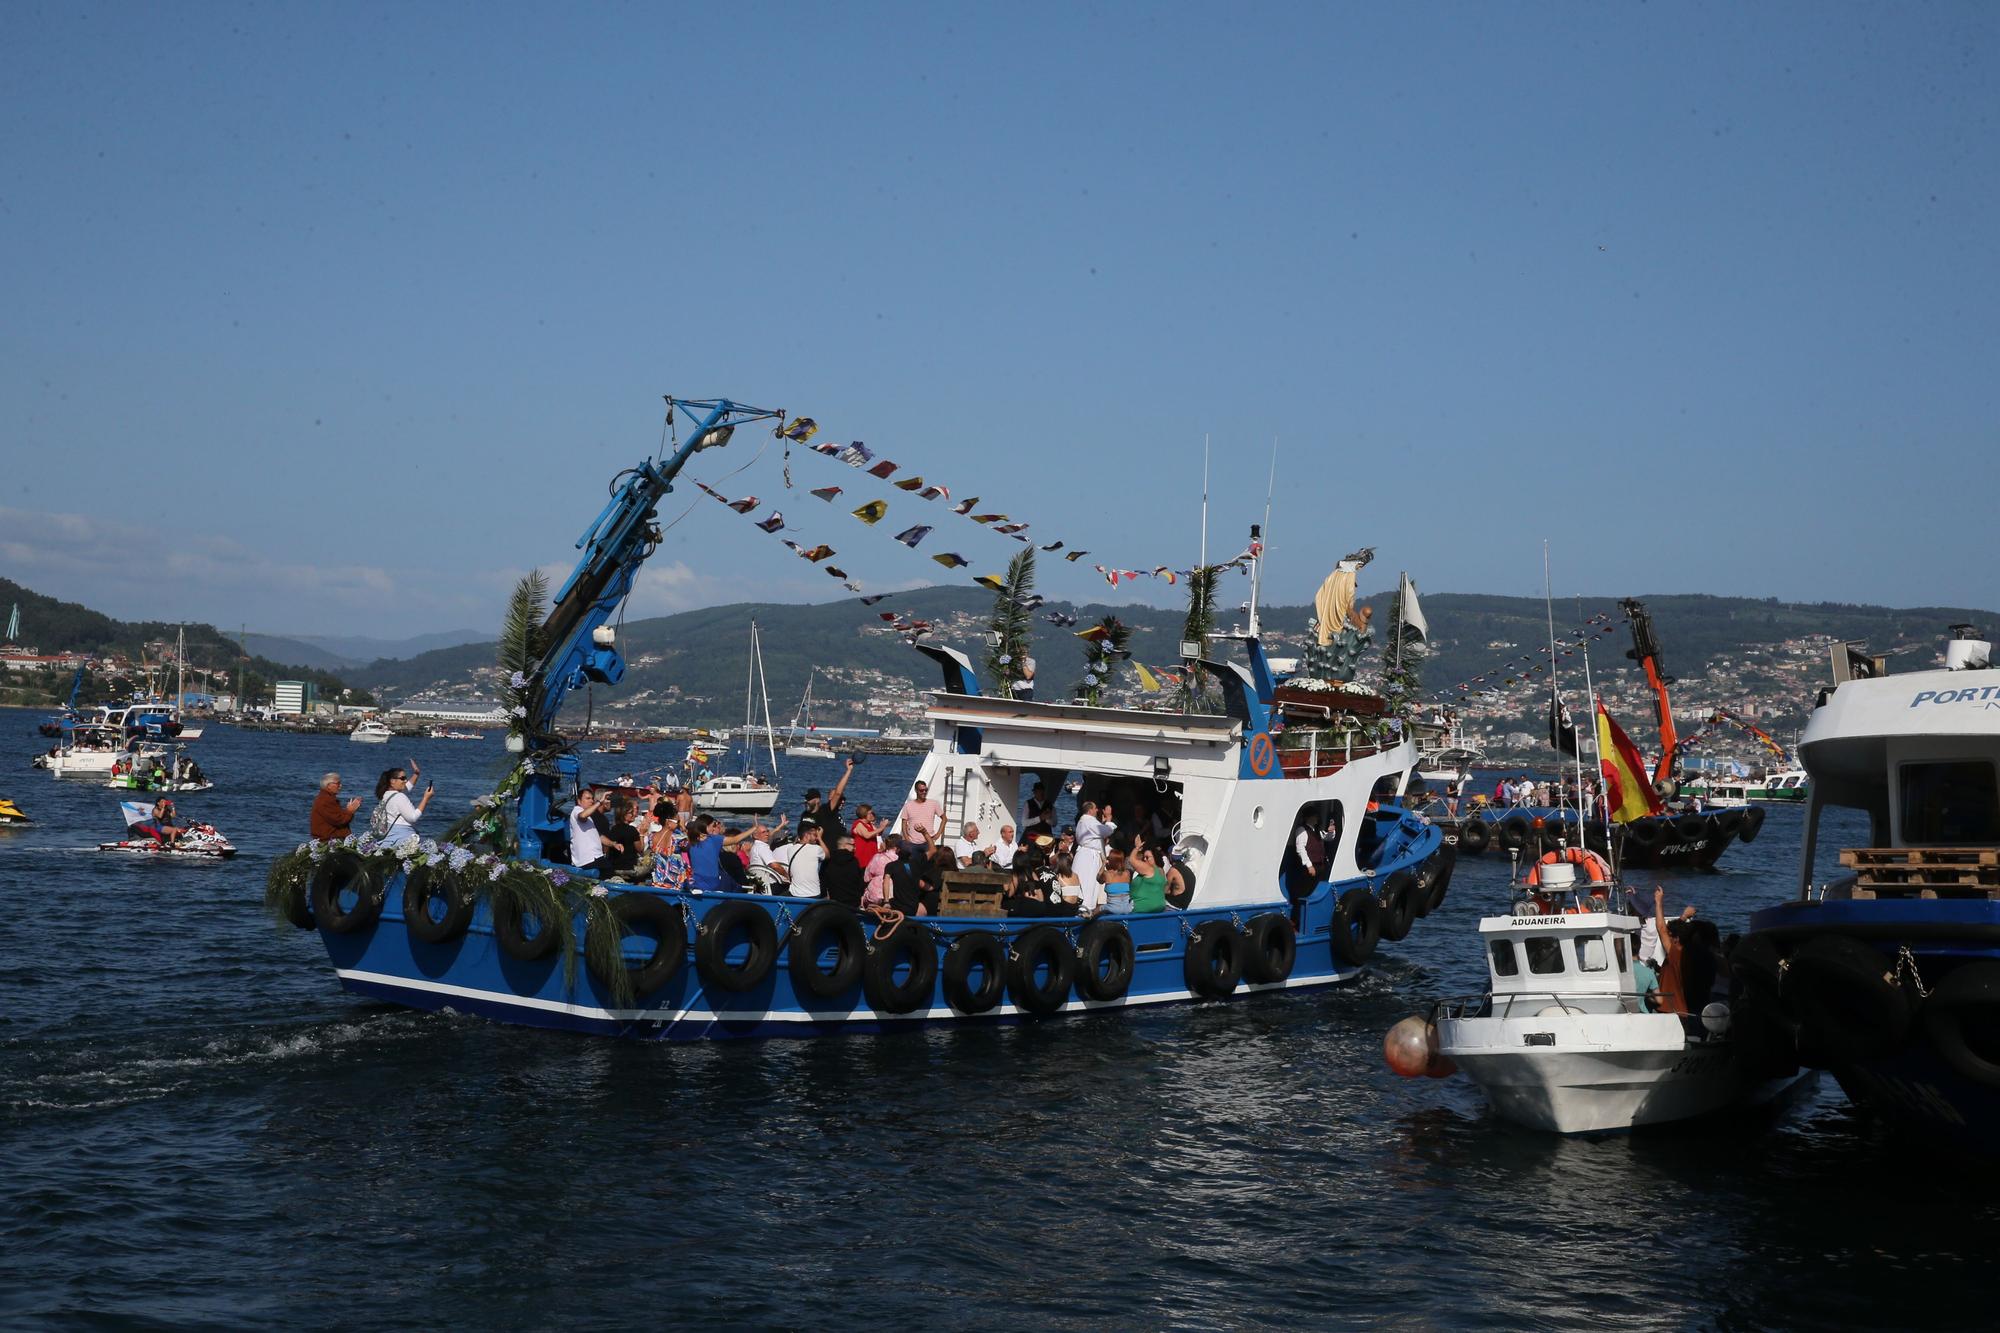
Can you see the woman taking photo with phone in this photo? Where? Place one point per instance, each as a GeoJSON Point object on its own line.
{"type": "Point", "coordinates": [396, 815]}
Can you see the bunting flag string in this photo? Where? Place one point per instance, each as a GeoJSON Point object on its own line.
{"type": "Point", "coordinates": [1535, 662]}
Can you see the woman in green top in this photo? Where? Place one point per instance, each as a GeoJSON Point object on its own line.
{"type": "Point", "coordinates": [1149, 882]}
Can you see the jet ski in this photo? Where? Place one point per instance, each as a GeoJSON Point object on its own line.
{"type": "Point", "coordinates": [197, 842]}
{"type": "Point", "coordinates": [11, 813]}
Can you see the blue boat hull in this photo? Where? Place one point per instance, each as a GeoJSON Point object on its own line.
{"type": "Point", "coordinates": [1911, 1082]}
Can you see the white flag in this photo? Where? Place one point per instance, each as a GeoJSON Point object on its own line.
{"type": "Point", "coordinates": [135, 812]}
{"type": "Point", "coordinates": [1413, 615]}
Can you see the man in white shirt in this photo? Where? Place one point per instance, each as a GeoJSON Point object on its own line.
{"type": "Point", "coordinates": [967, 845]}
{"type": "Point", "coordinates": [1089, 855]}
{"type": "Point", "coordinates": [801, 862]}
{"type": "Point", "coordinates": [586, 847]}
{"type": "Point", "coordinates": [1001, 855]}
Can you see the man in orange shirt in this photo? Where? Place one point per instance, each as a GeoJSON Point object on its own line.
{"type": "Point", "coordinates": [330, 819]}
{"type": "Point", "coordinates": [1673, 985]}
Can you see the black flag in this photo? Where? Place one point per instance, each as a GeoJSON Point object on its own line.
{"type": "Point", "coordinates": [1562, 727]}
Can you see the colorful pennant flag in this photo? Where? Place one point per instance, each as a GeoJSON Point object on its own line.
{"type": "Point", "coordinates": [934, 493]}
{"type": "Point", "coordinates": [873, 598]}
{"type": "Point", "coordinates": [1076, 555]}
{"type": "Point", "coordinates": [909, 484]}
{"type": "Point", "coordinates": [873, 512]}
{"type": "Point", "coordinates": [965, 506]}
{"type": "Point", "coordinates": [1053, 546]}
{"type": "Point", "coordinates": [800, 430]}
{"type": "Point", "coordinates": [1147, 681]}
{"type": "Point", "coordinates": [911, 536]}
{"type": "Point", "coordinates": [854, 455]}
{"type": "Point", "coordinates": [826, 493]}
{"type": "Point", "coordinates": [818, 553]}
{"type": "Point", "coordinates": [951, 560]}
{"type": "Point", "coordinates": [774, 523]}
{"type": "Point", "coordinates": [882, 469]}
{"type": "Point", "coordinates": [988, 518]}
{"type": "Point", "coordinates": [743, 506]}
{"type": "Point", "coordinates": [993, 581]}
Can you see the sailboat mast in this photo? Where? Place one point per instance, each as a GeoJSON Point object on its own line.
{"type": "Point", "coordinates": [764, 688]}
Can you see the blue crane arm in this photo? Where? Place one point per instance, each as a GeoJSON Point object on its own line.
{"type": "Point", "coordinates": [581, 647]}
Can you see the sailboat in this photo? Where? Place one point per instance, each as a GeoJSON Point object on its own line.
{"type": "Point", "coordinates": [803, 744]}
{"type": "Point", "coordinates": [744, 793]}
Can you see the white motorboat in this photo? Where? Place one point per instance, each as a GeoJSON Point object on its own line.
{"type": "Point", "coordinates": [735, 794]}
{"type": "Point", "coordinates": [1564, 1041]}
{"type": "Point", "coordinates": [90, 753]}
{"type": "Point", "coordinates": [372, 732]}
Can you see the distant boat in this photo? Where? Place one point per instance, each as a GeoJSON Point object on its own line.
{"type": "Point", "coordinates": [803, 744]}
{"type": "Point", "coordinates": [446, 734]}
{"type": "Point", "coordinates": [371, 732]}
{"type": "Point", "coordinates": [735, 794]}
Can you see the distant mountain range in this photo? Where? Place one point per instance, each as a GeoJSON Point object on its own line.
{"type": "Point", "coordinates": [690, 668]}
{"type": "Point", "coordinates": [344, 652]}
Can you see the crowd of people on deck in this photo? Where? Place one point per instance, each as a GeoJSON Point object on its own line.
{"type": "Point", "coordinates": [1110, 860]}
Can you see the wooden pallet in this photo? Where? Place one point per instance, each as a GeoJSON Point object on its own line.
{"type": "Point", "coordinates": [1924, 872]}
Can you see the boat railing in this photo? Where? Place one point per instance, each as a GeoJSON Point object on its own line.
{"type": "Point", "coordinates": [1487, 1004]}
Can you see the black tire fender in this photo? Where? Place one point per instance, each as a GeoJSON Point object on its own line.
{"type": "Point", "coordinates": [1644, 833]}
{"type": "Point", "coordinates": [1437, 877]}
{"type": "Point", "coordinates": [669, 923]}
{"type": "Point", "coordinates": [1515, 830]}
{"type": "Point", "coordinates": [1270, 948]}
{"type": "Point", "coordinates": [1105, 958]}
{"type": "Point", "coordinates": [1034, 947]}
{"type": "Point", "coordinates": [339, 872]}
{"type": "Point", "coordinates": [514, 941]}
{"type": "Point", "coordinates": [821, 925]}
{"type": "Point", "coordinates": [1753, 823]}
{"type": "Point", "coordinates": [719, 930]}
{"type": "Point", "coordinates": [1474, 835]}
{"type": "Point", "coordinates": [1968, 998]}
{"type": "Point", "coordinates": [975, 950]}
{"type": "Point", "coordinates": [1357, 926]}
{"type": "Point", "coordinates": [1847, 999]}
{"type": "Point", "coordinates": [1213, 963]}
{"type": "Point", "coordinates": [1399, 904]}
{"type": "Point", "coordinates": [878, 975]}
{"type": "Point", "coordinates": [417, 895]}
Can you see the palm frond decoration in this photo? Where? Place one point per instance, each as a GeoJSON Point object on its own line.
{"type": "Point", "coordinates": [1196, 629]}
{"type": "Point", "coordinates": [1012, 624]}
{"type": "Point", "coordinates": [1107, 648]}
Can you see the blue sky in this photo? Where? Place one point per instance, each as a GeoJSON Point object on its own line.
{"type": "Point", "coordinates": [338, 317]}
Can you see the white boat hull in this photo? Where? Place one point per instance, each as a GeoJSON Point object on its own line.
{"type": "Point", "coordinates": [808, 752]}
{"type": "Point", "coordinates": [737, 802]}
{"type": "Point", "coordinates": [84, 763]}
{"type": "Point", "coordinates": [1599, 1073]}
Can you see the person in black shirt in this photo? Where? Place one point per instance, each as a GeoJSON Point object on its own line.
{"type": "Point", "coordinates": [840, 874]}
{"type": "Point", "coordinates": [1041, 815]}
{"type": "Point", "coordinates": [826, 813]}
{"type": "Point", "coordinates": [621, 842]}
{"type": "Point", "coordinates": [903, 878]}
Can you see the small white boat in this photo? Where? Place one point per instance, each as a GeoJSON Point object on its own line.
{"type": "Point", "coordinates": [371, 732]}
{"type": "Point", "coordinates": [808, 748]}
{"type": "Point", "coordinates": [85, 760]}
{"type": "Point", "coordinates": [803, 744]}
{"type": "Point", "coordinates": [1563, 1040]}
{"type": "Point", "coordinates": [446, 734]}
{"type": "Point", "coordinates": [735, 794]}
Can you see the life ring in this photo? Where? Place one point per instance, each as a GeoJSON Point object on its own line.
{"type": "Point", "coordinates": [1847, 998]}
{"type": "Point", "coordinates": [1213, 963]}
{"type": "Point", "coordinates": [1399, 905]}
{"type": "Point", "coordinates": [1515, 830]}
{"type": "Point", "coordinates": [975, 950]}
{"type": "Point", "coordinates": [418, 894]}
{"type": "Point", "coordinates": [1971, 991]}
{"type": "Point", "coordinates": [720, 930]}
{"type": "Point", "coordinates": [1357, 926]}
{"type": "Point", "coordinates": [825, 924]}
{"type": "Point", "coordinates": [1474, 835]}
{"type": "Point", "coordinates": [1104, 960]}
{"type": "Point", "coordinates": [1753, 823]}
{"type": "Point", "coordinates": [1036, 991]}
{"type": "Point", "coordinates": [1270, 948]}
{"type": "Point", "coordinates": [336, 875]}
{"type": "Point", "coordinates": [911, 943]}
{"type": "Point", "coordinates": [669, 924]}
{"type": "Point", "coordinates": [509, 930]}
{"type": "Point", "coordinates": [1595, 868]}
{"type": "Point", "coordinates": [1436, 878]}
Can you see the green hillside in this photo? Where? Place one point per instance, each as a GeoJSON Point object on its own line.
{"type": "Point", "coordinates": [690, 668]}
{"type": "Point", "coordinates": [54, 626]}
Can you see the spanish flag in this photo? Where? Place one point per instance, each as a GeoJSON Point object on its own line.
{"type": "Point", "coordinates": [1627, 791]}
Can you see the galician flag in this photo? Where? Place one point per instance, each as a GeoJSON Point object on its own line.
{"type": "Point", "coordinates": [1626, 789]}
{"type": "Point", "coordinates": [135, 812]}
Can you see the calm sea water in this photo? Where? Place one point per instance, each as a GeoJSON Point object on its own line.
{"type": "Point", "coordinates": [197, 1127]}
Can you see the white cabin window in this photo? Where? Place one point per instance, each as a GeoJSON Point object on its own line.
{"type": "Point", "coordinates": [1590, 956]}
{"type": "Point", "coordinates": [1505, 964]}
{"type": "Point", "coordinates": [1545, 954]}
{"type": "Point", "coordinates": [1954, 803]}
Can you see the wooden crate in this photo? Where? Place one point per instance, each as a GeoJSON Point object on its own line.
{"type": "Point", "coordinates": [974, 893]}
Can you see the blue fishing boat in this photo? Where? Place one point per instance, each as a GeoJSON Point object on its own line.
{"type": "Point", "coordinates": [520, 938]}
{"type": "Point", "coordinates": [1887, 973]}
